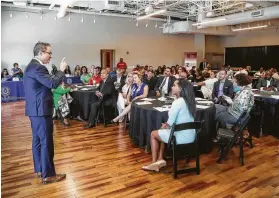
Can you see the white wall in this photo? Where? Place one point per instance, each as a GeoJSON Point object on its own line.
{"type": "Point", "coordinates": [80, 42]}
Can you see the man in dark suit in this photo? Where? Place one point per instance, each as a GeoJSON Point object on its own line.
{"type": "Point", "coordinates": [119, 79]}
{"type": "Point", "coordinates": [39, 106]}
{"type": "Point", "coordinates": [151, 81]}
{"type": "Point", "coordinates": [165, 83]}
{"type": "Point", "coordinates": [106, 93]}
{"type": "Point", "coordinates": [267, 83]}
{"type": "Point", "coordinates": [203, 64]}
{"type": "Point", "coordinates": [222, 86]}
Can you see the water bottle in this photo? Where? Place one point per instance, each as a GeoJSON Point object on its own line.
{"type": "Point", "coordinates": [163, 94]}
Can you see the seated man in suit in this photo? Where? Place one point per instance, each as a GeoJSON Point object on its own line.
{"type": "Point", "coordinates": [151, 81]}
{"type": "Point", "coordinates": [222, 87]}
{"type": "Point", "coordinates": [119, 79]}
{"type": "Point", "coordinates": [165, 83]}
{"type": "Point", "coordinates": [267, 83]}
{"type": "Point", "coordinates": [106, 93]}
{"type": "Point", "coordinates": [203, 64]}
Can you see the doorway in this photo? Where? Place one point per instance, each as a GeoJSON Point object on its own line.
{"type": "Point", "coordinates": [107, 58]}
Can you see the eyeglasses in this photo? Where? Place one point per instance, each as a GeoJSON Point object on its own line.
{"type": "Point", "coordinates": [50, 53]}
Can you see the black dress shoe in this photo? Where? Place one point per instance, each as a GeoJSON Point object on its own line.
{"type": "Point", "coordinates": [88, 126]}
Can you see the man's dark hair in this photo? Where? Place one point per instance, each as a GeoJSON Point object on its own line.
{"type": "Point", "coordinates": [40, 47]}
{"type": "Point", "coordinates": [15, 64]}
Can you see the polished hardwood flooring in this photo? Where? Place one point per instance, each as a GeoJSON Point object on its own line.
{"type": "Point", "coordinates": [103, 162]}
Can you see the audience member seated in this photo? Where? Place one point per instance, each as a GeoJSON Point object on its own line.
{"type": "Point", "coordinates": [138, 90]}
{"type": "Point", "coordinates": [203, 64]}
{"type": "Point", "coordinates": [61, 102]}
{"type": "Point", "coordinates": [275, 74]}
{"type": "Point", "coordinates": [260, 74]}
{"type": "Point", "coordinates": [207, 85]}
{"type": "Point", "coordinates": [229, 72]}
{"type": "Point", "coordinates": [267, 83]}
{"type": "Point", "coordinates": [106, 94]}
{"type": "Point", "coordinates": [244, 100]}
{"type": "Point", "coordinates": [119, 79]}
{"type": "Point", "coordinates": [85, 76]}
{"type": "Point", "coordinates": [183, 74]}
{"type": "Point", "coordinates": [198, 77]}
{"type": "Point", "coordinates": [165, 83]}
{"type": "Point", "coordinates": [159, 71]}
{"type": "Point", "coordinates": [179, 71]}
{"type": "Point", "coordinates": [151, 68]}
{"type": "Point", "coordinates": [77, 71]}
{"type": "Point", "coordinates": [150, 81]}
{"type": "Point", "coordinates": [5, 75]}
{"type": "Point", "coordinates": [96, 78]}
{"type": "Point", "coordinates": [16, 71]}
{"type": "Point", "coordinates": [183, 110]}
{"type": "Point", "coordinates": [68, 71]}
{"type": "Point", "coordinates": [222, 87]}
{"type": "Point", "coordinates": [241, 71]}
{"type": "Point", "coordinates": [123, 93]}
{"type": "Point", "coordinates": [173, 71]}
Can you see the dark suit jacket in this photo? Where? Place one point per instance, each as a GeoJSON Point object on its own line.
{"type": "Point", "coordinates": [151, 83]}
{"type": "Point", "coordinates": [108, 91]}
{"type": "Point", "coordinates": [122, 81]}
{"type": "Point", "coordinates": [227, 89]}
{"type": "Point", "coordinates": [262, 83]}
{"type": "Point", "coordinates": [201, 65]}
{"type": "Point", "coordinates": [37, 86]}
{"type": "Point", "coordinates": [160, 80]}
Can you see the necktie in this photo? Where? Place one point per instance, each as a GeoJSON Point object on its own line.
{"type": "Point", "coordinates": [102, 86]}
{"type": "Point", "coordinates": [163, 83]}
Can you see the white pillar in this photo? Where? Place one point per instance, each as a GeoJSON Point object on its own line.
{"type": "Point", "coordinates": [200, 47]}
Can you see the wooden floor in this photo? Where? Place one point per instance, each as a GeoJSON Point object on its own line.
{"type": "Point", "coordinates": [103, 162]}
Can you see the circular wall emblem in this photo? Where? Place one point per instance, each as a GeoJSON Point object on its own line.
{"type": "Point", "coordinates": [69, 81]}
{"type": "Point", "coordinates": [5, 91]}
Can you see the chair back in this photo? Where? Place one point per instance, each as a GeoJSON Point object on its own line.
{"type": "Point", "coordinates": [184, 126]}
{"type": "Point", "coordinates": [239, 121]}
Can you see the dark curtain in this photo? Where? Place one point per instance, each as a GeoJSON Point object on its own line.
{"type": "Point", "coordinates": [256, 57]}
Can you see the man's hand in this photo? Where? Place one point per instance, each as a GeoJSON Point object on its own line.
{"type": "Point", "coordinates": [63, 65]}
{"type": "Point", "coordinates": [157, 93]}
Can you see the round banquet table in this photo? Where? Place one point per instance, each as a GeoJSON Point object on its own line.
{"type": "Point", "coordinates": [82, 100]}
{"type": "Point", "coordinates": [270, 123]}
{"type": "Point", "coordinates": [145, 119]}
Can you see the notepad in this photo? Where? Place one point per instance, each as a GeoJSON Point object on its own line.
{"type": "Point", "coordinates": [275, 96]}
{"type": "Point", "coordinates": [200, 99]}
{"type": "Point", "coordinates": [205, 102]}
{"type": "Point", "coordinates": [257, 95]}
{"type": "Point", "coordinates": [143, 103]}
{"type": "Point", "coordinates": [148, 99]}
{"type": "Point", "coordinates": [202, 107]}
{"type": "Point", "coordinates": [161, 109]}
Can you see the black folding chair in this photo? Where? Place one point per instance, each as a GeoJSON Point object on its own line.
{"type": "Point", "coordinates": [230, 136]}
{"type": "Point", "coordinates": [199, 94]}
{"type": "Point", "coordinates": [172, 144]}
{"type": "Point", "coordinates": [256, 121]}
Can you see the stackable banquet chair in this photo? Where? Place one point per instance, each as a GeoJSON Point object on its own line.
{"type": "Point", "coordinates": [185, 147]}
{"type": "Point", "coordinates": [230, 136]}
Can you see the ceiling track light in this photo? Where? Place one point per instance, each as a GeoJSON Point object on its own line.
{"type": "Point", "coordinates": [11, 13]}
{"type": "Point", "coordinates": [69, 19]}
{"type": "Point", "coordinates": [208, 22]}
{"type": "Point", "coordinates": [249, 28]}
{"type": "Point", "coordinates": [55, 18]}
{"type": "Point", "coordinates": [137, 24]}
{"type": "Point", "coordinates": [156, 25]}
{"type": "Point", "coordinates": [42, 17]}
{"type": "Point", "coordinates": [26, 16]}
{"type": "Point", "coordinates": [152, 14]}
{"type": "Point", "coordinates": [94, 21]}
{"type": "Point", "coordinates": [82, 19]}
{"type": "Point", "coordinates": [146, 25]}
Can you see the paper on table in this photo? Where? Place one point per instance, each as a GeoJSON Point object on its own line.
{"type": "Point", "coordinates": [84, 89]}
{"type": "Point", "coordinates": [257, 95]}
{"type": "Point", "coordinates": [148, 99]}
{"type": "Point", "coordinates": [205, 102]}
{"type": "Point", "coordinates": [200, 99]}
{"type": "Point", "coordinates": [202, 107]}
{"type": "Point", "coordinates": [275, 96]}
{"type": "Point", "coordinates": [143, 103]}
{"type": "Point", "coordinates": [161, 109]}
{"type": "Point", "coordinates": [254, 89]}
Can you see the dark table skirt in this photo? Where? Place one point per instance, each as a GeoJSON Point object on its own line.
{"type": "Point", "coordinates": [12, 91]}
{"type": "Point", "coordinates": [82, 101]}
{"type": "Point", "coordinates": [145, 119]}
